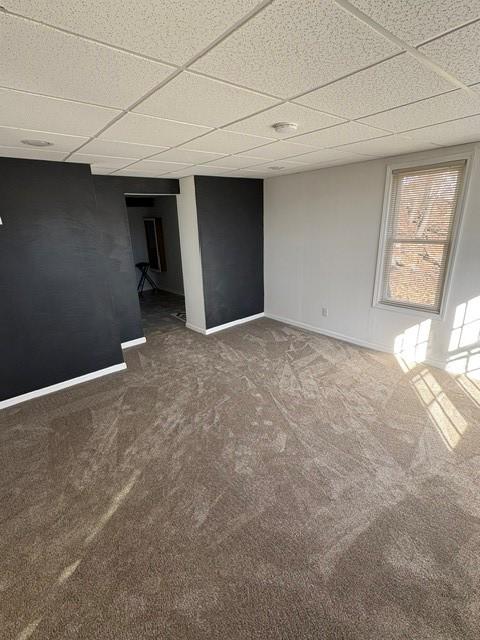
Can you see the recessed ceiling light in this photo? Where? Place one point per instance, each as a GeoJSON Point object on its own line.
{"type": "Point", "coordinates": [37, 143]}
{"type": "Point", "coordinates": [276, 168]}
{"type": "Point", "coordinates": [285, 127]}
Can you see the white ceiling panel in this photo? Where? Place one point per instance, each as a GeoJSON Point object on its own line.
{"type": "Point", "coordinates": [388, 146]}
{"type": "Point", "coordinates": [138, 173]}
{"type": "Point", "coordinates": [193, 98]}
{"type": "Point", "coordinates": [222, 141]}
{"type": "Point", "coordinates": [322, 155]}
{"type": "Point", "coordinates": [43, 60]}
{"type": "Point", "coordinates": [30, 153]}
{"type": "Point", "coordinates": [292, 46]}
{"type": "Point", "coordinates": [448, 106]}
{"type": "Point", "coordinates": [172, 30]}
{"type": "Point", "coordinates": [139, 129]}
{"type": "Point", "coordinates": [307, 120]}
{"type": "Point", "coordinates": [279, 150]}
{"type": "Point", "coordinates": [29, 111]}
{"type": "Point", "coordinates": [101, 161]}
{"type": "Point", "coordinates": [416, 21]}
{"type": "Point", "coordinates": [389, 84]}
{"type": "Point", "coordinates": [237, 162]}
{"type": "Point", "coordinates": [10, 137]}
{"type": "Point", "coordinates": [102, 171]}
{"type": "Point", "coordinates": [120, 149]}
{"type": "Point", "coordinates": [458, 52]}
{"type": "Point", "coordinates": [341, 134]}
{"type": "Point", "coordinates": [158, 168]}
{"type": "Point", "coordinates": [207, 170]}
{"type": "Point", "coordinates": [187, 155]}
{"type": "Point", "coordinates": [454, 132]}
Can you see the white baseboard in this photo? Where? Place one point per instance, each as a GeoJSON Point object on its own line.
{"type": "Point", "coordinates": [339, 336]}
{"type": "Point", "coordinates": [221, 327]}
{"type": "Point", "coordinates": [228, 325]}
{"type": "Point", "coordinates": [133, 343]}
{"type": "Point", "coordinates": [10, 402]}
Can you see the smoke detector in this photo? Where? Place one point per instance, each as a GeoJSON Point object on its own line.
{"type": "Point", "coordinates": [285, 127]}
{"type": "Point", "coordinates": [37, 143]}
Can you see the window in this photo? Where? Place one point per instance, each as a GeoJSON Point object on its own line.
{"type": "Point", "coordinates": [418, 232]}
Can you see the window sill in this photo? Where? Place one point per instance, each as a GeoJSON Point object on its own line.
{"type": "Point", "coordinates": [410, 311]}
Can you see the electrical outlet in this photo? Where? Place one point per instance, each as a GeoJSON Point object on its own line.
{"type": "Point", "coordinates": [324, 312]}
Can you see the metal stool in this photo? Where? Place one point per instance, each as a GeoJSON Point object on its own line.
{"type": "Point", "coordinates": [144, 267]}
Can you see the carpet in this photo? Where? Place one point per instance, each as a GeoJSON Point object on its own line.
{"type": "Point", "coordinates": [261, 483]}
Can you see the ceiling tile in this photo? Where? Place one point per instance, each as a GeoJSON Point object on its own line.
{"type": "Point", "coordinates": [450, 133]}
{"type": "Point", "coordinates": [341, 134]}
{"type": "Point", "coordinates": [102, 171]}
{"type": "Point", "coordinates": [154, 131]}
{"type": "Point", "coordinates": [292, 46]}
{"type": "Point", "coordinates": [207, 170]}
{"type": "Point", "coordinates": [448, 106]}
{"type": "Point", "coordinates": [388, 146]}
{"type": "Point", "coordinates": [43, 60]}
{"type": "Point", "coordinates": [458, 53]}
{"type": "Point", "coordinates": [279, 150]}
{"type": "Point", "coordinates": [29, 111]}
{"type": "Point", "coordinates": [307, 120]}
{"type": "Point", "coordinates": [193, 98]}
{"type": "Point", "coordinates": [10, 137]}
{"type": "Point", "coordinates": [416, 21]}
{"type": "Point", "coordinates": [30, 153]}
{"type": "Point", "coordinates": [279, 165]}
{"type": "Point", "coordinates": [222, 141]}
{"type": "Point", "coordinates": [120, 149]}
{"type": "Point", "coordinates": [187, 155]}
{"type": "Point", "coordinates": [171, 29]}
{"type": "Point", "coordinates": [392, 83]}
{"type": "Point", "coordinates": [138, 173]}
{"type": "Point", "coordinates": [157, 168]}
{"type": "Point", "coordinates": [246, 173]}
{"type": "Point", "coordinates": [237, 162]}
{"type": "Point", "coordinates": [323, 155]}
{"type": "Point", "coordinates": [101, 161]}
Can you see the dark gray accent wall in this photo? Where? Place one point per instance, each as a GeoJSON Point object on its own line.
{"type": "Point", "coordinates": [56, 319]}
{"type": "Point", "coordinates": [113, 223]}
{"type": "Point", "coordinates": [230, 228]}
{"type": "Point", "coordinates": [67, 283]}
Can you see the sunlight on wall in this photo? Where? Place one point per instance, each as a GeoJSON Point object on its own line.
{"type": "Point", "coordinates": [466, 325]}
{"type": "Point", "coordinates": [410, 347]}
{"type": "Point", "coordinates": [448, 420]}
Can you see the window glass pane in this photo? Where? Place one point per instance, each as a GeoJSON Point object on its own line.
{"type": "Point", "coordinates": [422, 209]}
{"type": "Point", "coordinates": [424, 205]}
{"type": "Point", "coordinates": [415, 274]}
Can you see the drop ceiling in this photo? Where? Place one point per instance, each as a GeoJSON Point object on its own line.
{"type": "Point", "coordinates": [182, 87]}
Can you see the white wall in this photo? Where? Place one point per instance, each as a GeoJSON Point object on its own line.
{"type": "Point", "coordinates": [191, 260]}
{"type": "Point", "coordinates": [321, 240]}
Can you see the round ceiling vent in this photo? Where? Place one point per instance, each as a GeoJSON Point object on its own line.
{"type": "Point", "coordinates": [285, 127]}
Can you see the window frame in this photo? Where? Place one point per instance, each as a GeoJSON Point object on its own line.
{"type": "Point", "coordinates": [377, 303]}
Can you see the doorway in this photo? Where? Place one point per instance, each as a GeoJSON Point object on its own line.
{"type": "Point", "coordinates": [155, 238]}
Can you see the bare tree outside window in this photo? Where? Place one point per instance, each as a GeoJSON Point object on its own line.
{"type": "Point", "coordinates": [421, 216]}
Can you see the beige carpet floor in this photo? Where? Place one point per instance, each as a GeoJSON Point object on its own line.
{"type": "Point", "coordinates": [262, 483]}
